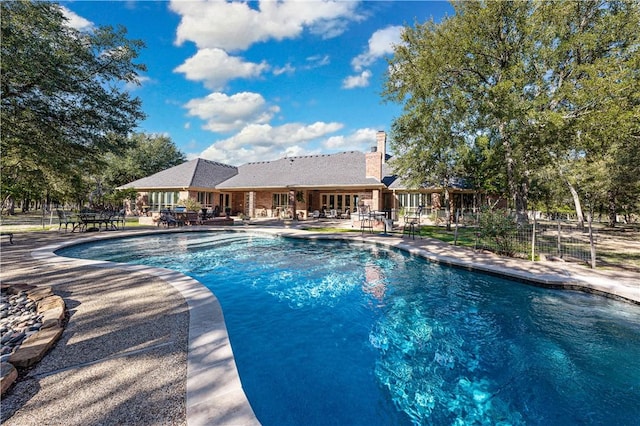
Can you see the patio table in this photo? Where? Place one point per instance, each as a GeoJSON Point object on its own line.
{"type": "Point", "coordinates": [95, 220]}
{"type": "Point", "coordinates": [381, 216]}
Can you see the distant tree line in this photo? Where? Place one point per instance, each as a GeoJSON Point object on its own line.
{"type": "Point", "coordinates": [67, 117]}
{"type": "Point", "coordinates": [538, 101]}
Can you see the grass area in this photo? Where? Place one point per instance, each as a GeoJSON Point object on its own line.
{"type": "Point", "coordinates": [629, 261]}
{"type": "Point", "coordinates": [466, 236]}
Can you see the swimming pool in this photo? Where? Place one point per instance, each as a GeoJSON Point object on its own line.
{"type": "Point", "coordinates": [343, 333]}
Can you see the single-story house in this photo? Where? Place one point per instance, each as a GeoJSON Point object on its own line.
{"type": "Point", "coordinates": [293, 186]}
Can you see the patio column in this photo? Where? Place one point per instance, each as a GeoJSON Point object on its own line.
{"type": "Point", "coordinates": [376, 199]}
{"type": "Point", "coordinates": [251, 206]}
{"type": "Point", "coordinates": [292, 203]}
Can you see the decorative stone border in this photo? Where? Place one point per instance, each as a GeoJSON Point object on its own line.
{"type": "Point", "coordinates": [33, 348]}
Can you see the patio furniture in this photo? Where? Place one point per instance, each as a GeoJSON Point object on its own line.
{"type": "Point", "coordinates": [118, 220]}
{"type": "Point", "coordinates": [167, 219]}
{"type": "Point", "coordinates": [93, 221]}
{"type": "Point", "coordinates": [412, 224]}
{"type": "Point", "coordinates": [366, 221]}
{"type": "Point", "coordinates": [346, 214]}
{"type": "Point", "coordinates": [316, 214]}
{"type": "Point", "coordinates": [67, 219]}
{"type": "Point", "coordinates": [192, 218]}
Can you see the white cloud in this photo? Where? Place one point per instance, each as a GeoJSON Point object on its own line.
{"type": "Point", "coordinates": [317, 61]}
{"type": "Point", "coordinates": [215, 68]}
{"type": "Point", "coordinates": [224, 113]}
{"type": "Point", "coordinates": [287, 134]}
{"type": "Point", "coordinates": [360, 140]}
{"type": "Point", "coordinates": [380, 44]}
{"type": "Point", "coordinates": [261, 142]}
{"type": "Point", "coordinates": [287, 69]}
{"type": "Point", "coordinates": [76, 21]}
{"type": "Point", "coordinates": [235, 26]}
{"type": "Point", "coordinates": [360, 80]}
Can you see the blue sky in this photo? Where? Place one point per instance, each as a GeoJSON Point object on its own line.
{"type": "Point", "coordinates": [240, 82]}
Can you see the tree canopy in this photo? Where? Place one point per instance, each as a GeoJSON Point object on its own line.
{"type": "Point", "coordinates": [147, 154]}
{"type": "Point", "coordinates": [505, 92]}
{"type": "Point", "coordinates": [64, 97]}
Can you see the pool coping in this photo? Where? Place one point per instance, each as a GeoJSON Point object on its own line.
{"type": "Point", "coordinates": [209, 354]}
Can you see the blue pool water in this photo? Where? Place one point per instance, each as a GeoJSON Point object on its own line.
{"type": "Point", "coordinates": [332, 333]}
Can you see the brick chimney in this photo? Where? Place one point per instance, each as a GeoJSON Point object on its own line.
{"type": "Point", "coordinates": [373, 164]}
{"type": "Point", "coordinates": [381, 140]}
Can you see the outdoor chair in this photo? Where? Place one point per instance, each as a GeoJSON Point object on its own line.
{"type": "Point", "coordinates": [346, 214]}
{"type": "Point", "coordinates": [412, 224]}
{"type": "Point", "coordinates": [167, 219]}
{"type": "Point", "coordinates": [67, 219]}
{"type": "Point", "coordinates": [117, 220]}
{"type": "Point", "coordinates": [316, 214]}
{"type": "Point", "coordinates": [366, 221]}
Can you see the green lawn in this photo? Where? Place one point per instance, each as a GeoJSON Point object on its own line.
{"type": "Point", "coordinates": [466, 236]}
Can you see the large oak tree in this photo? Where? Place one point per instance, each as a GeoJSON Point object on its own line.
{"type": "Point", "coordinates": [527, 84]}
{"type": "Point", "coordinates": [64, 97]}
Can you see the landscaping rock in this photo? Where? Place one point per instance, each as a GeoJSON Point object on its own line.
{"type": "Point", "coordinates": [31, 322]}
{"type": "Point", "coordinates": [8, 375]}
{"type": "Point", "coordinates": [35, 346]}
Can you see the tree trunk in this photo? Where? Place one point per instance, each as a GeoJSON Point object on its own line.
{"type": "Point", "coordinates": [576, 203]}
{"type": "Point", "coordinates": [575, 196]}
{"type": "Point", "coordinates": [518, 195]}
{"type": "Point", "coordinates": [612, 208]}
{"type": "Point", "coordinates": [11, 206]}
{"type": "Point", "coordinates": [447, 203]}
{"type": "Point", "coordinates": [522, 203]}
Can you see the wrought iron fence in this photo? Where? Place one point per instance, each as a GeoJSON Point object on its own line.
{"type": "Point", "coordinates": [545, 240]}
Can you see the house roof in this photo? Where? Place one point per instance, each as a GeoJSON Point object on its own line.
{"type": "Point", "coordinates": [198, 173]}
{"type": "Point", "coordinates": [341, 170]}
{"type": "Point", "coordinates": [323, 170]}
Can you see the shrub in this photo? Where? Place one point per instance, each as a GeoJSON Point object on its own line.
{"type": "Point", "coordinates": [500, 228]}
{"type": "Point", "coordinates": [191, 204]}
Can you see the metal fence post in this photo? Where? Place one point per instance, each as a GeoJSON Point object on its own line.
{"type": "Point", "coordinates": [533, 239]}
{"type": "Point", "coordinates": [559, 240]}
{"type": "Point", "coordinates": [592, 247]}
{"type": "Point", "coordinates": [455, 239]}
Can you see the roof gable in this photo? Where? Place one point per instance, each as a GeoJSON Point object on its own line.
{"type": "Point", "coordinates": [198, 173]}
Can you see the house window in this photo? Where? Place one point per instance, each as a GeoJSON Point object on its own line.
{"type": "Point", "coordinates": [411, 201]}
{"type": "Point", "coordinates": [161, 200]}
{"type": "Point", "coordinates": [280, 200]}
{"type": "Point", "coordinates": [225, 201]}
{"type": "Point", "coordinates": [205, 199]}
{"type": "Point", "coordinates": [340, 201]}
